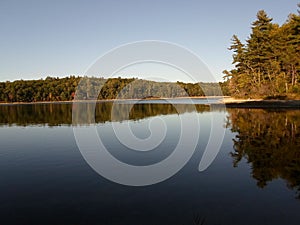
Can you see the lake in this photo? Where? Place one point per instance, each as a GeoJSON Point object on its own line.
{"type": "Point", "coordinates": [254, 179]}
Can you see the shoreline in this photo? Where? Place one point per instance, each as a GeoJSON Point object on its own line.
{"type": "Point", "coordinates": [260, 103]}
{"type": "Point", "coordinates": [109, 100]}
{"type": "Point", "coordinates": [228, 101]}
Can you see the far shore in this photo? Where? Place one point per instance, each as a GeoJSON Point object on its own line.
{"type": "Point", "coordinates": [110, 100]}
{"type": "Point", "coordinates": [228, 101]}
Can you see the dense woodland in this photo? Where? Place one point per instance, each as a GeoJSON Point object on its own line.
{"type": "Point", "coordinates": [85, 88]}
{"type": "Point", "coordinates": [268, 63]}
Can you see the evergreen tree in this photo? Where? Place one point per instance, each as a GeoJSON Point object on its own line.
{"type": "Point", "coordinates": [269, 63]}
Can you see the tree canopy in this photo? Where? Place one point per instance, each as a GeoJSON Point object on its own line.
{"type": "Point", "coordinates": [268, 63]}
{"type": "Point", "coordinates": [86, 88]}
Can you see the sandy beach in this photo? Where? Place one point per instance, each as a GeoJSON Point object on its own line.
{"type": "Point", "coordinates": [260, 103]}
{"type": "Point", "coordinates": [229, 102]}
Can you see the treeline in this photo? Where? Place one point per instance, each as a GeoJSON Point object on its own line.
{"type": "Point", "coordinates": [85, 88]}
{"type": "Point", "coordinates": [49, 89]}
{"type": "Point", "coordinates": [268, 63]}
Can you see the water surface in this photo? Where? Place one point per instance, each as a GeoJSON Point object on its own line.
{"type": "Point", "coordinates": [45, 180]}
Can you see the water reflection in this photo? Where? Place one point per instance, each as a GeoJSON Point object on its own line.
{"type": "Point", "coordinates": [270, 142]}
{"type": "Point", "coordinates": [61, 114]}
{"type": "Point", "coordinates": [45, 180]}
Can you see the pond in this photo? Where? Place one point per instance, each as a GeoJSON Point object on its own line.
{"type": "Point", "coordinates": [45, 179]}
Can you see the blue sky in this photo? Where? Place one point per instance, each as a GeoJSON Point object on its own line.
{"type": "Point", "coordinates": [59, 38]}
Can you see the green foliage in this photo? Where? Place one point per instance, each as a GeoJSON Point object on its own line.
{"type": "Point", "coordinates": [268, 64]}
{"type": "Point", "coordinates": [91, 88]}
{"type": "Point", "coordinates": [50, 89]}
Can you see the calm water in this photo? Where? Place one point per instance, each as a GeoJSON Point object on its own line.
{"type": "Point", "coordinates": [254, 179]}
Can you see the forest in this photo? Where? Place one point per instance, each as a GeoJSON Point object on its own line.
{"type": "Point", "coordinates": [91, 88]}
{"type": "Point", "coordinates": [268, 64]}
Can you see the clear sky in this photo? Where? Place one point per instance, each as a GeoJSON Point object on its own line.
{"type": "Point", "coordinates": [63, 37]}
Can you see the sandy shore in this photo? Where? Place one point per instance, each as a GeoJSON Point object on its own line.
{"type": "Point", "coordinates": [260, 103]}
{"type": "Point", "coordinates": [229, 102]}
{"type": "Point", "coordinates": [234, 100]}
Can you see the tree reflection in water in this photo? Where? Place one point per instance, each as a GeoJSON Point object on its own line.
{"type": "Point", "coordinates": [270, 142]}
{"type": "Point", "coordinates": [56, 114]}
